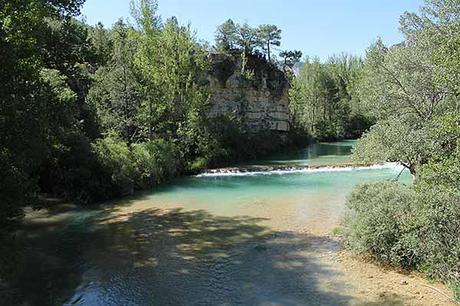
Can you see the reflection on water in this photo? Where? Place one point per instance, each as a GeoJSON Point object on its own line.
{"type": "Point", "coordinates": [249, 240]}
{"type": "Point", "coordinates": [315, 154]}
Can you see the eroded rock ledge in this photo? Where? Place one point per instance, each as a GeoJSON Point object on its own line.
{"type": "Point", "coordinates": [250, 87]}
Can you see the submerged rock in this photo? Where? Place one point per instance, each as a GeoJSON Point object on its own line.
{"type": "Point", "coordinates": [260, 247]}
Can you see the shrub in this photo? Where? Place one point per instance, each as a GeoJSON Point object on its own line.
{"type": "Point", "coordinates": [381, 222]}
{"type": "Point", "coordinates": [420, 223]}
{"type": "Point", "coordinates": [439, 233]}
{"type": "Point", "coordinates": [75, 172]}
{"type": "Point", "coordinates": [454, 285]}
{"type": "Point", "coordinates": [198, 164]}
{"type": "Point", "coordinates": [88, 173]}
{"type": "Point", "coordinates": [411, 227]}
{"type": "Point", "coordinates": [115, 156]}
{"type": "Point", "coordinates": [154, 162]}
{"type": "Point", "coordinates": [439, 190]}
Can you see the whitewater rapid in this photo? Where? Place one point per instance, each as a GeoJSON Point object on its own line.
{"type": "Point", "coordinates": [297, 169]}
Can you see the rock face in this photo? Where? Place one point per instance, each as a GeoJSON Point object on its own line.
{"type": "Point", "coordinates": [249, 87]}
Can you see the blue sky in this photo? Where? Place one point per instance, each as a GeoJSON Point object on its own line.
{"type": "Point", "coordinates": [316, 27]}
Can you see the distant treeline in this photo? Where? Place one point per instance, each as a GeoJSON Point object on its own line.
{"type": "Point", "coordinates": [324, 99]}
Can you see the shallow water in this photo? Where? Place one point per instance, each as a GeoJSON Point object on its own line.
{"type": "Point", "coordinates": [315, 199]}
{"type": "Point", "coordinates": [225, 240]}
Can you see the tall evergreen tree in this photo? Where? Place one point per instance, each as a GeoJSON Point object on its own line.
{"type": "Point", "coordinates": [226, 36]}
{"type": "Point", "coordinates": [269, 35]}
{"type": "Point", "coordinates": [116, 92]}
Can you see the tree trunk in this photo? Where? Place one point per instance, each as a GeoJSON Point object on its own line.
{"type": "Point", "coordinates": [150, 121]}
{"type": "Point", "coordinates": [268, 51]}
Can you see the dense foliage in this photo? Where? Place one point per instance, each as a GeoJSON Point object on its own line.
{"type": "Point", "coordinates": [90, 113]}
{"type": "Point", "coordinates": [262, 40]}
{"type": "Point", "coordinates": [324, 102]}
{"type": "Point", "coordinates": [412, 89]}
{"type": "Point", "coordinates": [39, 98]}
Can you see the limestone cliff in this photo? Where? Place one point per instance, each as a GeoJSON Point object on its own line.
{"type": "Point", "coordinates": [249, 87]}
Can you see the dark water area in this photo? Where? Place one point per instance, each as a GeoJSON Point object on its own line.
{"type": "Point", "coordinates": [321, 153]}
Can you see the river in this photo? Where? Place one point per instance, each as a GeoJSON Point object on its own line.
{"type": "Point", "coordinates": [222, 239]}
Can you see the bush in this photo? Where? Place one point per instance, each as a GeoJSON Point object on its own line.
{"type": "Point", "coordinates": [154, 162]}
{"type": "Point", "coordinates": [382, 223]}
{"type": "Point", "coordinates": [439, 233]}
{"type": "Point", "coordinates": [415, 227]}
{"type": "Point", "coordinates": [86, 172]}
{"type": "Point", "coordinates": [454, 285]}
{"type": "Point", "coordinates": [140, 166]}
{"type": "Point", "coordinates": [115, 156]}
{"type": "Point", "coordinates": [75, 172]}
{"type": "Point", "coordinates": [439, 190]}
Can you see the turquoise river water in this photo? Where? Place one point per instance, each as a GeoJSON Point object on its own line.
{"type": "Point", "coordinates": [239, 239]}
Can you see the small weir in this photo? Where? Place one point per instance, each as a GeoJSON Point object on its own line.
{"type": "Point", "coordinates": [280, 170]}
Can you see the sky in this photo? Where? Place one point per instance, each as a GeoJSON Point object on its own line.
{"type": "Point", "coordinates": [315, 27]}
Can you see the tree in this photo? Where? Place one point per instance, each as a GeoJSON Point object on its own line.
{"type": "Point", "coordinates": [64, 8]}
{"type": "Point", "coordinates": [439, 22]}
{"type": "Point", "coordinates": [171, 64]}
{"type": "Point", "coordinates": [413, 90]}
{"type": "Point", "coordinates": [418, 225]}
{"type": "Point", "coordinates": [290, 58]}
{"type": "Point", "coordinates": [247, 38]}
{"type": "Point", "coordinates": [101, 44]}
{"type": "Point", "coordinates": [144, 13]}
{"type": "Point", "coordinates": [268, 35]}
{"type": "Point", "coordinates": [116, 92]}
{"type": "Point", "coordinates": [146, 59]}
{"type": "Point", "coordinates": [323, 99]}
{"type": "Point", "coordinates": [25, 96]}
{"type": "Point", "coordinates": [400, 85]}
{"type": "Point", "coordinates": [400, 80]}
{"type": "Point", "coordinates": [397, 140]}
{"type": "Point", "coordinates": [68, 49]}
{"type": "Point", "coordinates": [226, 36]}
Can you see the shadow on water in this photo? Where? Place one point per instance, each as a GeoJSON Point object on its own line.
{"type": "Point", "coordinates": [321, 151]}
{"type": "Point", "coordinates": [157, 257]}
